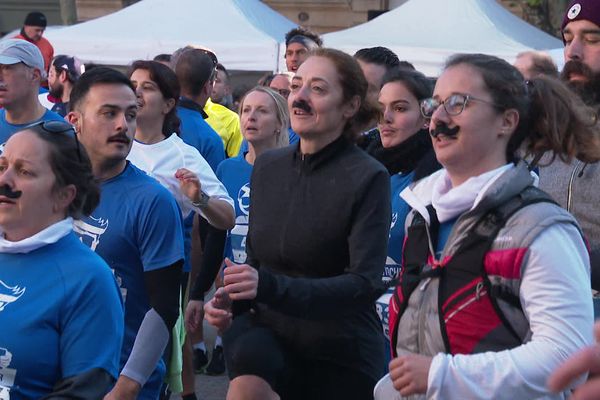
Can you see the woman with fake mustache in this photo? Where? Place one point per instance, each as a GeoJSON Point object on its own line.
{"type": "Point", "coordinates": [303, 323]}
{"type": "Point", "coordinates": [61, 313]}
{"type": "Point", "coordinates": [494, 291]}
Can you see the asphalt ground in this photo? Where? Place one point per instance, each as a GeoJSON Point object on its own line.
{"type": "Point", "coordinates": [209, 387]}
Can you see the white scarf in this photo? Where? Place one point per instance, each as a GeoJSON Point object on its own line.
{"type": "Point", "coordinates": [49, 235]}
{"type": "Point", "coordinates": [451, 202]}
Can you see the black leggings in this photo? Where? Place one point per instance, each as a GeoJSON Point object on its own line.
{"type": "Point", "coordinates": [251, 349]}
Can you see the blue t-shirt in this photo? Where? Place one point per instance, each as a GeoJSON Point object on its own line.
{"type": "Point", "coordinates": [7, 129]}
{"type": "Point", "coordinates": [293, 137]}
{"type": "Point", "coordinates": [235, 175]}
{"type": "Point", "coordinates": [136, 228]}
{"type": "Point", "coordinates": [197, 133]}
{"type": "Point", "coordinates": [60, 315]}
{"type": "Point", "coordinates": [443, 234]}
{"type": "Point", "coordinates": [400, 210]}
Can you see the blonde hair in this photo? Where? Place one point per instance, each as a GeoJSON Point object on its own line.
{"type": "Point", "coordinates": [281, 110]}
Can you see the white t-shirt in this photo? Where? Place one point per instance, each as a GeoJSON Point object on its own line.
{"type": "Point", "coordinates": [161, 160]}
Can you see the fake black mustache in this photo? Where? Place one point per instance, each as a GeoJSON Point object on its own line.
{"type": "Point", "coordinates": [302, 105]}
{"type": "Point", "coordinates": [445, 130]}
{"type": "Point", "coordinates": [6, 191]}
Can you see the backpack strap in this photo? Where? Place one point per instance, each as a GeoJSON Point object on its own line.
{"type": "Point", "coordinates": [414, 258]}
{"type": "Point", "coordinates": [498, 219]}
{"type": "Point", "coordinates": [466, 267]}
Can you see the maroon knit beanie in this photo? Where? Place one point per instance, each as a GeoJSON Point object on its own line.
{"type": "Point", "coordinates": [582, 9]}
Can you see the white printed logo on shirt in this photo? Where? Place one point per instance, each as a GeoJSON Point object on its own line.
{"type": "Point", "coordinates": [91, 233]}
{"type": "Point", "coordinates": [9, 294]}
{"type": "Point", "coordinates": [244, 199]}
{"type": "Point", "coordinates": [7, 375]}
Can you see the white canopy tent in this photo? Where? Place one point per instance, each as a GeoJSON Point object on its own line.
{"type": "Point", "coordinates": [427, 32]}
{"type": "Point", "coordinates": [245, 34]}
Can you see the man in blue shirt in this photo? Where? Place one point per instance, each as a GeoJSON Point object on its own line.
{"type": "Point", "coordinates": [195, 69]}
{"type": "Point", "coordinates": [21, 73]}
{"type": "Point", "coordinates": [136, 228]}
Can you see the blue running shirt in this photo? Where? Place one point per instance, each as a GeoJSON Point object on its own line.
{"type": "Point", "coordinates": [137, 227]}
{"type": "Point", "coordinates": [7, 129]}
{"type": "Point", "coordinates": [60, 315]}
{"type": "Point", "coordinates": [235, 173]}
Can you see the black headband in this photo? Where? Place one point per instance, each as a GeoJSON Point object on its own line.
{"type": "Point", "coordinates": [304, 41]}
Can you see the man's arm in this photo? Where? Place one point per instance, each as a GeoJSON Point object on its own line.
{"type": "Point", "coordinates": [162, 286]}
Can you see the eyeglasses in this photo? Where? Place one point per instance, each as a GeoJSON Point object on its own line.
{"type": "Point", "coordinates": [58, 128]}
{"type": "Point", "coordinates": [453, 105]}
{"type": "Point", "coordinates": [283, 92]}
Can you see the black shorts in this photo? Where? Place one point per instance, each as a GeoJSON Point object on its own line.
{"type": "Point", "coordinates": [252, 349]}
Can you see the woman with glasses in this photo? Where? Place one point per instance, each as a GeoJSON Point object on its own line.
{"type": "Point", "coordinates": [494, 291]}
{"type": "Point", "coordinates": [304, 323]}
{"type": "Point", "coordinates": [61, 314]}
{"type": "Point", "coordinates": [404, 148]}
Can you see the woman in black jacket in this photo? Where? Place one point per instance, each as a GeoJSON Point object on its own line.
{"type": "Point", "coordinates": [304, 322]}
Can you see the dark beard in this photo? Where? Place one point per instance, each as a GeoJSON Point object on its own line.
{"type": "Point", "coordinates": [589, 88]}
{"type": "Point", "coordinates": [57, 91]}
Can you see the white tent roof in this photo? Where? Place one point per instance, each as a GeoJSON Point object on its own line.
{"type": "Point", "coordinates": [426, 32]}
{"type": "Point", "coordinates": [245, 34]}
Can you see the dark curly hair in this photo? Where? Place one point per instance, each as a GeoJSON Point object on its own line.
{"type": "Point", "coordinates": [300, 31]}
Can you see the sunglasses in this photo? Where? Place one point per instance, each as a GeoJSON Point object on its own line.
{"type": "Point", "coordinates": [57, 128]}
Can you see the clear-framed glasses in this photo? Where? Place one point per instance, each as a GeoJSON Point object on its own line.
{"type": "Point", "coordinates": [453, 105]}
{"type": "Point", "coordinates": [57, 128]}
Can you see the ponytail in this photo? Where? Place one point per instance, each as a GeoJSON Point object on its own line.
{"type": "Point", "coordinates": [560, 123]}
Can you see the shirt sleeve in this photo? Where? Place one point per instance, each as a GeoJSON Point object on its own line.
{"type": "Point", "coordinates": [360, 283]}
{"type": "Point", "coordinates": [556, 298]}
{"type": "Point", "coordinates": [160, 233]}
{"type": "Point", "coordinates": [91, 323]}
{"type": "Point", "coordinates": [211, 185]}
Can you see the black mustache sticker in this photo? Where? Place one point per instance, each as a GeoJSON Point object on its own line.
{"type": "Point", "coordinates": [6, 191]}
{"type": "Point", "coordinates": [443, 129]}
{"type": "Point", "coordinates": [301, 104]}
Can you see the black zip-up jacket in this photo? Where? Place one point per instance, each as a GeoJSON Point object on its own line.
{"type": "Point", "coordinates": [318, 235]}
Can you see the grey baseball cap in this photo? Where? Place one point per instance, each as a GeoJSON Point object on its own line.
{"type": "Point", "coordinates": [13, 51]}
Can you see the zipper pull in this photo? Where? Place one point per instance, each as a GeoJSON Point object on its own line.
{"type": "Point", "coordinates": [478, 290]}
{"type": "Point", "coordinates": [424, 285]}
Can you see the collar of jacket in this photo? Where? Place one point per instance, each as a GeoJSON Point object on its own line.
{"type": "Point", "coordinates": [192, 105]}
{"type": "Point", "coordinates": [408, 156]}
{"type": "Point", "coordinates": [310, 162]}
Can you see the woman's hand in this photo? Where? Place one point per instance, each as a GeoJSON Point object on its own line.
{"type": "Point", "coordinates": [193, 315]}
{"type": "Point", "coordinates": [586, 360]}
{"type": "Point", "coordinates": [189, 184]}
{"type": "Point", "coordinates": [241, 281]}
{"type": "Point", "coordinates": [409, 373]}
{"type": "Point", "coordinates": [217, 311]}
